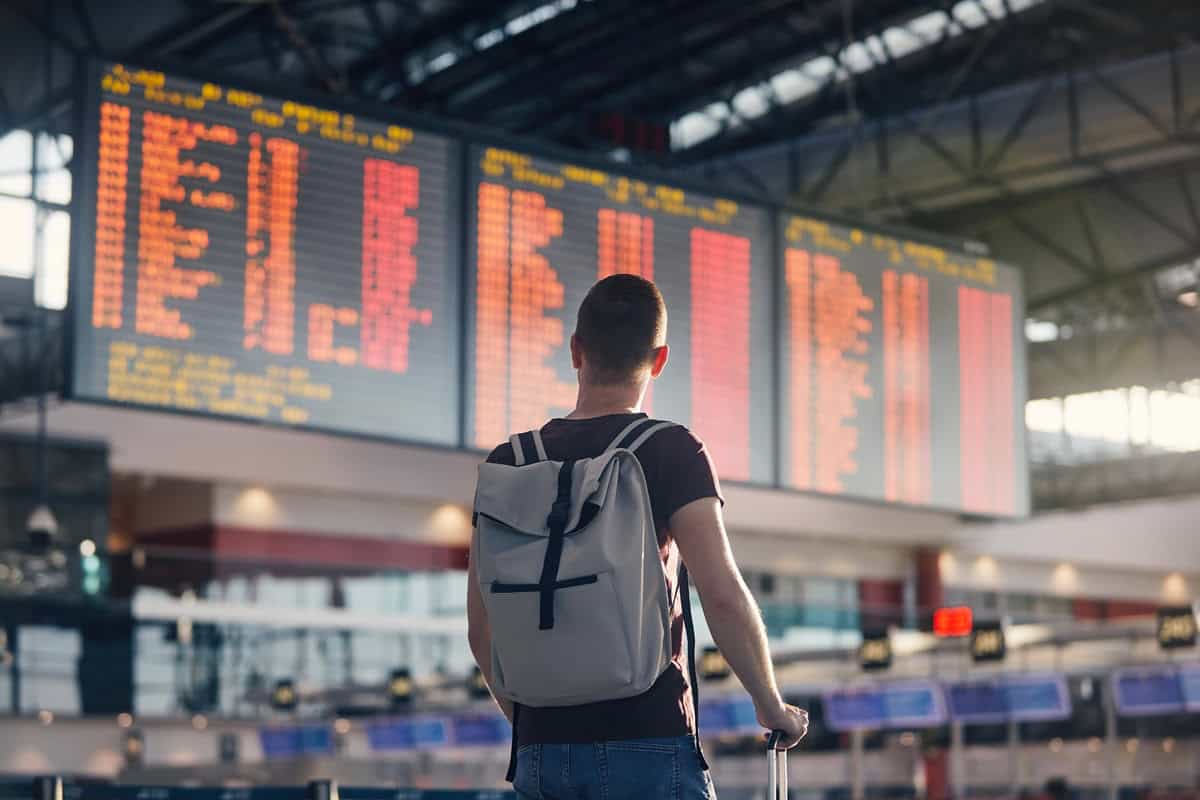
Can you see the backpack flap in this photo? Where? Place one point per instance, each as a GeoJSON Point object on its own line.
{"type": "Point", "coordinates": [517, 497]}
{"type": "Point", "coordinates": [520, 497]}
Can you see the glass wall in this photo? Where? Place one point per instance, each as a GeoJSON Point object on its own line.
{"type": "Point", "coordinates": [1118, 423]}
{"type": "Point", "coordinates": [34, 219]}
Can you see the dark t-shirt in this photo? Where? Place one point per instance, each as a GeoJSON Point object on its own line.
{"type": "Point", "coordinates": [678, 471]}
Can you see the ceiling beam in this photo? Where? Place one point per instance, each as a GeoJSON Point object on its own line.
{"type": "Point", "coordinates": [801, 33]}
{"type": "Point", "coordinates": [387, 60]}
{"type": "Point", "coordinates": [88, 25]}
{"type": "Point", "coordinates": [195, 31]}
{"type": "Point", "coordinates": [1147, 266]}
{"type": "Point", "coordinates": [540, 50]}
{"type": "Point", "coordinates": [1034, 44]}
{"type": "Point", "coordinates": [921, 74]}
{"type": "Point", "coordinates": [44, 27]}
{"type": "Point", "coordinates": [633, 53]}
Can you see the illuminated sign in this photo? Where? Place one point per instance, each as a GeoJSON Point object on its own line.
{"type": "Point", "coordinates": [952, 623]}
{"type": "Point", "coordinates": [1151, 691]}
{"type": "Point", "coordinates": [918, 704]}
{"type": "Point", "coordinates": [728, 716]}
{"type": "Point", "coordinates": [713, 665]}
{"type": "Point", "coordinates": [477, 687]}
{"type": "Point", "coordinates": [875, 652]}
{"type": "Point", "coordinates": [400, 687]}
{"type": "Point", "coordinates": [284, 696]}
{"type": "Point", "coordinates": [545, 231]}
{"type": "Point", "coordinates": [293, 741]}
{"type": "Point", "coordinates": [278, 260]}
{"type": "Point", "coordinates": [265, 259]}
{"type": "Point", "coordinates": [1022, 698]}
{"type": "Point", "coordinates": [479, 730]}
{"type": "Point", "coordinates": [987, 642]}
{"type": "Point", "coordinates": [420, 732]}
{"type": "Point", "coordinates": [1176, 627]}
{"type": "Point", "coordinates": [903, 371]}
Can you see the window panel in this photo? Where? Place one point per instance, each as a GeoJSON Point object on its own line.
{"type": "Point", "coordinates": [16, 232]}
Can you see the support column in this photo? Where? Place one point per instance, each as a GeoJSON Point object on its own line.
{"type": "Point", "coordinates": [930, 594]}
{"type": "Point", "coordinates": [14, 670]}
{"type": "Point", "coordinates": [858, 776]}
{"type": "Point", "coordinates": [958, 767]}
{"type": "Point", "coordinates": [105, 669]}
{"type": "Point", "coordinates": [880, 603]}
{"type": "Point", "coordinates": [1016, 777]}
{"type": "Point", "coordinates": [1111, 744]}
{"type": "Point", "coordinates": [937, 778]}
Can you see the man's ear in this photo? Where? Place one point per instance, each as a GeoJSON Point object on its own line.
{"type": "Point", "coordinates": [659, 361]}
{"type": "Point", "coordinates": [576, 353]}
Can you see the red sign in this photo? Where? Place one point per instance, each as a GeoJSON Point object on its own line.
{"type": "Point", "coordinates": [952, 622]}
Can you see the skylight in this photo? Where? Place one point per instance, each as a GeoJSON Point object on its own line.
{"type": "Point", "coordinates": [797, 83]}
{"type": "Point", "coordinates": [513, 27]}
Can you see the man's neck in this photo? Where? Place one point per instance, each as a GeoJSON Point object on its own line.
{"type": "Point", "coordinates": [602, 400]}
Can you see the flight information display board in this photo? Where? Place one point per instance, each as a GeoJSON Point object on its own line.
{"type": "Point", "coordinates": [545, 231]}
{"type": "Point", "coordinates": [267, 259]}
{"type": "Point", "coordinates": [903, 371]}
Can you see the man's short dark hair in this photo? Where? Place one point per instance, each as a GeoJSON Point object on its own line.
{"type": "Point", "coordinates": [621, 322]}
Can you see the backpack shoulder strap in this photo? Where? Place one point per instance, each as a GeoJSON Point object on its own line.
{"type": "Point", "coordinates": [647, 433]}
{"type": "Point", "coordinates": [635, 434]}
{"type": "Point", "coordinates": [685, 591]}
{"type": "Point", "coordinates": [527, 447]}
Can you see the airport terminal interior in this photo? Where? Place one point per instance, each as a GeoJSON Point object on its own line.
{"type": "Point", "coordinates": [276, 275]}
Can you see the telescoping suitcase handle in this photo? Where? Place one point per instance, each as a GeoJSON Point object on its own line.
{"type": "Point", "coordinates": [777, 775]}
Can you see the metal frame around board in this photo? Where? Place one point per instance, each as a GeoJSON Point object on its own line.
{"type": "Point", "coordinates": [463, 137]}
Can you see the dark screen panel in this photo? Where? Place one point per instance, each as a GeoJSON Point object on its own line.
{"type": "Point", "coordinates": [903, 371]}
{"type": "Point", "coordinates": [545, 231]}
{"type": "Point", "coordinates": [267, 259]}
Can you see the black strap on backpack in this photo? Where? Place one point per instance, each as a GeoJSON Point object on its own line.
{"type": "Point", "coordinates": [689, 626]}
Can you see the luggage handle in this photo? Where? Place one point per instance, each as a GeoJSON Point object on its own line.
{"type": "Point", "coordinates": [777, 775]}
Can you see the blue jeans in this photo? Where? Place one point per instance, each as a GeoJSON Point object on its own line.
{"type": "Point", "coordinates": [635, 769]}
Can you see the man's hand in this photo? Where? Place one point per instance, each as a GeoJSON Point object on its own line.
{"type": "Point", "coordinates": [791, 720]}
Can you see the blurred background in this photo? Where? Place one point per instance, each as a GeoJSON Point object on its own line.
{"type": "Point", "coordinates": [966, 496]}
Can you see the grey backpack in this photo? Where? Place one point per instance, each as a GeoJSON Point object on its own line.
{"type": "Point", "coordinates": [566, 554]}
{"type": "Point", "coordinates": [568, 564]}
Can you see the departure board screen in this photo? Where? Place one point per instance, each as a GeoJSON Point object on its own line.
{"type": "Point", "coordinates": [545, 231]}
{"type": "Point", "coordinates": [903, 371]}
{"type": "Point", "coordinates": [265, 258]}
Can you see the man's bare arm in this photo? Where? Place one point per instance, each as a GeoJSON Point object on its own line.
{"type": "Point", "coordinates": [479, 634]}
{"type": "Point", "coordinates": [732, 615]}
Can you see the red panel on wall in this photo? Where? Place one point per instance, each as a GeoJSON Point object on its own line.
{"type": "Point", "coordinates": [231, 549]}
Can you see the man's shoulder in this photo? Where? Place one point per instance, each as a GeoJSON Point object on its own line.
{"type": "Point", "coordinates": [675, 438]}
